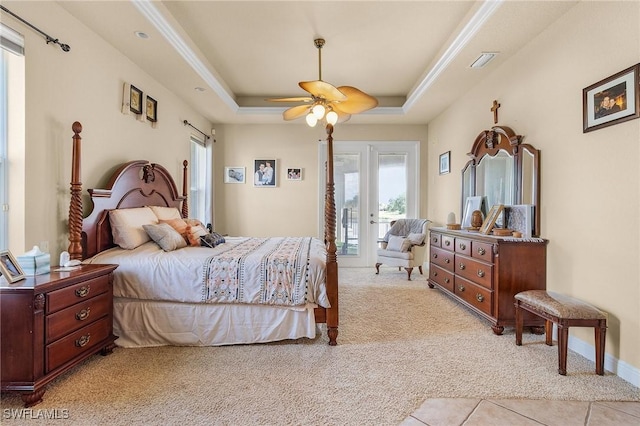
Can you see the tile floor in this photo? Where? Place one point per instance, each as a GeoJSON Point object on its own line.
{"type": "Point", "coordinates": [514, 412]}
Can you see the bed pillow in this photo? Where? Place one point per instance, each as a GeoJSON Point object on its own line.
{"type": "Point", "coordinates": [165, 236]}
{"type": "Point", "coordinates": [166, 213]}
{"type": "Point", "coordinates": [397, 243]}
{"type": "Point", "coordinates": [126, 226]}
{"type": "Point", "coordinates": [211, 240]}
{"type": "Point", "coordinates": [178, 224]}
{"type": "Point", "coordinates": [193, 234]}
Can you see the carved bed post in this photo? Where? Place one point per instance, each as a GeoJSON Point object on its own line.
{"type": "Point", "coordinates": [185, 192]}
{"type": "Point", "coordinates": [330, 235]}
{"type": "Point", "coordinates": [75, 205]}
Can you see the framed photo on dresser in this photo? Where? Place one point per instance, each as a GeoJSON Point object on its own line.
{"type": "Point", "coordinates": [9, 267]}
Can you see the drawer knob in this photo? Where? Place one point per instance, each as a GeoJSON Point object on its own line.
{"type": "Point", "coordinates": [481, 251]}
{"type": "Point", "coordinates": [82, 291]}
{"type": "Point", "coordinates": [462, 267]}
{"type": "Point", "coordinates": [435, 256]}
{"type": "Point", "coordinates": [479, 297]}
{"type": "Point", "coordinates": [447, 260]}
{"type": "Point", "coordinates": [461, 288]}
{"type": "Point", "coordinates": [463, 246]}
{"type": "Point", "coordinates": [446, 280]}
{"type": "Point", "coordinates": [447, 243]}
{"type": "Point", "coordinates": [480, 273]}
{"type": "Point", "coordinates": [435, 274]}
{"type": "Point", "coordinates": [83, 314]}
{"type": "Point", "coordinates": [82, 341]}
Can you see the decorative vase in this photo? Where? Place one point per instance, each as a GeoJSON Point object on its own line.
{"type": "Point", "coordinates": [476, 219]}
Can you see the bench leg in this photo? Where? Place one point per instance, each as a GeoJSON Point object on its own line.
{"type": "Point", "coordinates": [563, 337]}
{"type": "Point", "coordinates": [519, 324]}
{"type": "Point", "coordinates": [548, 332]}
{"type": "Point", "coordinates": [600, 334]}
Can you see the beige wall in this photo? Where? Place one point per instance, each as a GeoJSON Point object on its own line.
{"type": "Point", "coordinates": [293, 207]}
{"type": "Point", "coordinates": [85, 85]}
{"type": "Point", "coordinates": [590, 182]}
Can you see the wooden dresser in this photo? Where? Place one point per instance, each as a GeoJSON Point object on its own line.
{"type": "Point", "coordinates": [484, 272]}
{"type": "Point", "coordinates": [49, 323]}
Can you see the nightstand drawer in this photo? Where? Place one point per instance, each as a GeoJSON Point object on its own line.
{"type": "Point", "coordinates": [77, 316]}
{"type": "Point", "coordinates": [77, 343]}
{"type": "Point", "coordinates": [71, 295]}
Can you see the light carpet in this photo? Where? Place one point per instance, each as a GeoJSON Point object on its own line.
{"type": "Point", "coordinates": [399, 344]}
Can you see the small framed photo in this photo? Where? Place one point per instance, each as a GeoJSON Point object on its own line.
{"type": "Point", "coordinates": [135, 100]}
{"type": "Point", "coordinates": [445, 166]}
{"type": "Point", "coordinates": [294, 174]}
{"type": "Point", "coordinates": [611, 101]}
{"type": "Point", "coordinates": [234, 175]}
{"type": "Point", "coordinates": [491, 218]}
{"type": "Point", "coordinates": [264, 173]}
{"type": "Point", "coordinates": [152, 109]}
{"type": "Point", "coordinates": [9, 267]}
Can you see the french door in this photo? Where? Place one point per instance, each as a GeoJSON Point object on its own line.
{"type": "Point", "coordinates": [375, 183]}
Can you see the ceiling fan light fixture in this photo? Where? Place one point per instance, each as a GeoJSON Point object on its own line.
{"type": "Point", "coordinates": [332, 117]}
{"type": "Point", "coordinates": [311, 119]}
{"type": "Point", "coordinates": [318, 111]}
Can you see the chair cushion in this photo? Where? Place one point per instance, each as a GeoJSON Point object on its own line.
{"type": "Point", "coordinates": [416, 239]}
{"type": "Point", "coordinates": [382, 254]}
{"type": "Point", "coordinates": [397, 243]}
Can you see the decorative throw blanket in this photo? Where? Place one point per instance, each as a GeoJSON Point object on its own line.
{"type": "Point", "coordinates": [273, 271]}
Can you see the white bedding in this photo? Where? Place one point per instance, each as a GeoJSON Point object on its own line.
{"type": "Point", "coordinates": [149, 273]}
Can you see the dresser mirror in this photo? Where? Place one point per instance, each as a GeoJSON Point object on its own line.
{"type": "Point", "coordinates": [504, 170]}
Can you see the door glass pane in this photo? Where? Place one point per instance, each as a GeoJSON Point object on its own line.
{"type": "Point", "coordinates": [347, 187]}
{"type": "Point", "coordinates": [392, 190]}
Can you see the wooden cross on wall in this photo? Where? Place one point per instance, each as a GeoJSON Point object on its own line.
{"type": "Point", "coordinates": [494, 108]}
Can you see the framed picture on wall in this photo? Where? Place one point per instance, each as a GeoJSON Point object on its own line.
{"type": "Point", "coordinates": [294, 174]}
{"type": "Point", "coordinates": [445, 163]}
{"type": "Point", "coordinates": [234, 175]}
{"type": "Point", "coordinates": [611, 101]}
{"type": "Point", "coordinates": [152, 109]}
{"type": "Point", "coordinates": [264, 173]}
{"type": "Point", "coordinates": [135, 100]}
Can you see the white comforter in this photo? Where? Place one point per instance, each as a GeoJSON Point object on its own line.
{"type": "Point", "coordinates": [149, 273]}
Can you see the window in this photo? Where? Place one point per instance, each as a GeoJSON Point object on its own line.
{"type": "Point", "coordinates": [12, 96]}
{"type": "Point", "coordinates": [198, 186]}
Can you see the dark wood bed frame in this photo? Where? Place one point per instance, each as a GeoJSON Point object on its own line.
{"type": "Point", "coordinates": [140, 183]}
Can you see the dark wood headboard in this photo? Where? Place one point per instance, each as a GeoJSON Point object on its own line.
{"type": "Point", "coordinates": [136, 183]}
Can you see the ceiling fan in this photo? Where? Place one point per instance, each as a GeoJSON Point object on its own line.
{"type": "Point", "coordinates": [327, 102]}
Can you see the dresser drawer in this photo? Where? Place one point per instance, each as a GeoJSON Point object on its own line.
{"type": "Point", "coordinates": [76, 343]}
{"type": "Point", "coordinates": [77, 316]}
{"type": "Point", "coordinates": [448, 243]}
{"type": "Point", "coordinates": [441, 277]}
{"type": "Point", "coordinates": [442, 258]}
{"type": "Point", "coordinates": [435, 239]}
{"type": "Point", "coordinates": [463, 246]}
{"type": "Point", "coordinates": [482, 251]}
{"type": "Point", "coordinates": [478, 272]}
{"type": "Point", "coordinates": [475, 295]}
{"type": "Point", "coordinates": [63, 298]}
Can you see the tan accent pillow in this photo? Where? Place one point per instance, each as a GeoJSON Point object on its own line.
{"type": "Point", "coordinates": [194, 232]}
{"type": "Point", "coordinates": [165, 236]}
{"type": "Point", "coordinates": [126, 226]}
{"type": "Point", "coordinates": [178, 224]}
{"type": "Point", "coordinates": [397, 243]}
{"type": "Point", "coordinates": [166, 213]}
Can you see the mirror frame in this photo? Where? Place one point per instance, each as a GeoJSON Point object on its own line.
{"type": "Point", "coordinates": [489, 142]}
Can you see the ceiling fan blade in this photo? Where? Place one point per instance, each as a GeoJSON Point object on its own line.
{"type": "Point", "coordinates": [357, 101]}
{"type": "Point", "coordinates": [324, 90]}
{"type": "Point", "coordinates": [296, 99]}
{"type": "Point", "coordinates": [295, 112]}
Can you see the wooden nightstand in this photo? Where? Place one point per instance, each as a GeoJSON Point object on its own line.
{"type": "Point", "coordinates": [49, 323]}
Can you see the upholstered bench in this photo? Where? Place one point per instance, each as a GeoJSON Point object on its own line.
{"type": "Point", "coordinates": [565, 311]}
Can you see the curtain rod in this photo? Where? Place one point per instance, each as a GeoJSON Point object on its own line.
{"type": "Point", "coordinates": [186, 123]}
{"type": "Point", "coordinates": [49, 39]}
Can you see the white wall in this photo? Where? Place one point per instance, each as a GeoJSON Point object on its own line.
{"type": "Point", "coordinates": [85, 85]}
{"type": "Point", "coordinates": [590, 208]}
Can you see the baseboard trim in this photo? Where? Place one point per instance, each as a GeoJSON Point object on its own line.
{"type": "Point", "coordinates": [620, 368]}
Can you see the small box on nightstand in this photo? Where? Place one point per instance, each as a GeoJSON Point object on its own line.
{"type": "Point", "coordinates": [35, 262]}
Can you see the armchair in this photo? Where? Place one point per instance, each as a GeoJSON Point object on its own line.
{"type": "Point", "coordinates": [404, 245]}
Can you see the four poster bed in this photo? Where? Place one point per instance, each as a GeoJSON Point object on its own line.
{"type": "Point", "coordinates": [236, 290]}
